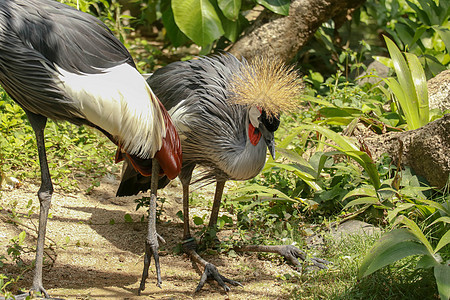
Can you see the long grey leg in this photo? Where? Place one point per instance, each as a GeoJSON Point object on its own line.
{"type": "Point", "coordinates": [151, 243]}
{"type": "Point", "coordinates": [45, 197]}
{"type": "Point", "coordinates": [210, 270]}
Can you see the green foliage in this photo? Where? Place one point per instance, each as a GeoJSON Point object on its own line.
{"type": "Point", "coordinates": [410, 89]}
{"type": "Point", "coordinates": [412, 240]}
{"type": "Point", "coordinates": [421, 27]}
{"type": "Point", "coordinates": [73, 152]}
{"type": "Point", "coordinates": [206, 21]}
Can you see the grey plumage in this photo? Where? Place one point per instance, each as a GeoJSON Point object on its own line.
{"type": "Point", "coordinates": [226, 112]}
{"type": "Point", "coordinates": [213, 130]}
{"type": "Point", "coordinates": [31, 48]}
{"type": "Point", "coordinates": [57, 62]}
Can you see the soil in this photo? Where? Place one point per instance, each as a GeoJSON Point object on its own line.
{"type": "Point", "coordinates": [96, 258]}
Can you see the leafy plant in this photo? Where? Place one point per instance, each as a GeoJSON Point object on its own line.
{"type": "Point", "coordinates": [409, 90]}
{"type": "Point", "coordinates": [403, 242]}
{"type": "Point", "coordinates": [205, 21]}
{"type": "Point", "coordinates": [73, 152]}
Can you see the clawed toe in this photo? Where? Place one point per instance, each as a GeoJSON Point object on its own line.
{"type": "Point", "coordinates": [211, 272]}
{"type": "Point", "coordinates": [292, 254]}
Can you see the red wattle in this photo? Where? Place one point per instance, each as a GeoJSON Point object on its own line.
{"type": "Point", "coordinates": [254, 135]}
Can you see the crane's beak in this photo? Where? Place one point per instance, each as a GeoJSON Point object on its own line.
{"type": "Point", "coordinates": [269, 139]}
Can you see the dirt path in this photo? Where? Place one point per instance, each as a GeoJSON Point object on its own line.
{"type": "Point", "coordinates": [95, 259]}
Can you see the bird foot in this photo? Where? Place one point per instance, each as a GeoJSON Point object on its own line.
{"type": "Point", "coordinates": [151, 250]}
{"type": "Point", "coordinates": [34, 293]}
{"type": "Point", "coordinates": [292, 254]}
{"type": "Point", "coordinates": [38, 290]}
{"type": "Point", "coordinates": [211, 273]}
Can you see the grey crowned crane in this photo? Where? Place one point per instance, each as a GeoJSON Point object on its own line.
{"type": "Point", "coordinates": [226, 112]}
{"type": "Point", "coordinates": [59, 63]}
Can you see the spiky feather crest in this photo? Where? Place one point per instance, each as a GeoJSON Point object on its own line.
{"type": "Point", "coordinates": [266, 83]}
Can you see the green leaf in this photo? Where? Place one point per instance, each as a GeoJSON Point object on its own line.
{"type": "Point", "coordinates": [280, 7]}
{"type": "Point", "coordinates": [445, 239]}
{"type": "Point", "coordinates": [442, 274]}
{"type": "Point", "coordinates": [420, 84]}
{"type": "Point", "coordinates": [22, 236]}
{"type": "Point", "coordinates": [366, 190]}
{"type": "Point", "coordinates": [401, 207]}
{"type": "Point", "coordinates": [197, 220]}
{"type": "Point", "coordinates": [444, 219]}
{"type": "Point", "coordinates": [176, 36]}
{"type": "Point", "coordinates": [128, 218]}
{"type": "Point", "coordinates": [230, 8]}
{"type": "Point", "coordinates": [362, 200]}
{"type": "Point", "coordinates": [393, 246]}
{"type": "Point", "coordinates": [405, 84]}
{"type": "Point", "coordinates": [416, 231]}
{"type": "Point", "coordinates": [426, 262]}
{"type": "Point", "coordinates": [346, 145]}
{"type": "Point", "coordinates": [264, 190]}
{"type": "Point", "coordinates": [198, 20]}
{"type": "Point", "coordinates": [444, 33]}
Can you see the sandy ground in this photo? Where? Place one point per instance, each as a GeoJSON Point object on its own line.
{"type": "Point", "coordinates": [94, 259]}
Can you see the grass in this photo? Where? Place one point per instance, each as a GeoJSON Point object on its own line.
{"type": "Point", "coordinates": [398, 281]}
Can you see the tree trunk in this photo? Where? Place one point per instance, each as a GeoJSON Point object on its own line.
{"type": "Point", "coordinates": [426, 150]}
{"type": "Point", "coordinates": [283, 36]}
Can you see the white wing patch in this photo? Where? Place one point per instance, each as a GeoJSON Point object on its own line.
{"type": "Point", "coordinates": [119, 101]}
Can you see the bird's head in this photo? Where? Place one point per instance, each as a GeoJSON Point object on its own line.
{"type": "Point", "coordinates": [262, 125]}
{"type": "Point", "coordinates": [267, 87]}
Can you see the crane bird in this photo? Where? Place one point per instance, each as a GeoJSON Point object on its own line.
{"type": "Point", "coordinates": [226, 112]}
{"type": "Point", "coordinates": [59, 63]}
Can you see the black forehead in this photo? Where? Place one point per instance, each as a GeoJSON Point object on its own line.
{"type": "Point", "coordinates": [272, 122]}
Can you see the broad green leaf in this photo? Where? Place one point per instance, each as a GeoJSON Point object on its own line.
{"type": "Point", "coordinates": [423, 16]}
{"type": "Point", "coordinates": [197, 220]}
{"type": "Point", "coordinates": [401, 207]}
{"type": "Point", "coordinates": [445, 239]}
{"type": "Point", "coordinates": [405, 81]}
{"type": "Point", "coordinates": [231, 29]}
{"type": "Point", "coordinates": [280, 7]}
{"type": "Point", "coordinates": [350, 149]}
{"type": "Point", "coordinates": [416, 231]}
{"type": "Point", "coordinates": [426, 261]}
{"type": "Point", "coordinates": [366, 190]}
{"type": "Point", "coordinates": [362, 200]}
{"type": "Point", "coordinates": [316, 100]}
{"type": "Point", "coordinates": [410, 111]}
{"type": "Point", "coordinates": [176, 36]}
{"type": "Point", "coordinates": [436, 205]}
{"type": "Point", "coordinates": [393, 246]}
{"type": "Point", "coordinates": [442, 275]}
{"type": "Point", "coordinates": [385, 61]}
{"type": "Point", "coordinates": [444, 219]}
{"type": "Point", "coordinates": [420, 84]}
{"type": "Point", "coordinates": [304, 173]}
{"type": "Point", "coordinates": [198, 20]}
{"type": "Point", "coordinates": [230, 8]}
{"type": "Point", "coordinates": [444, 33]}
{"type": "Point", "coordinates": [265, 191]}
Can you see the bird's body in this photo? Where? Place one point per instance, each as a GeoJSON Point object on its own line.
{"type": "Point", "coordinates": [226, 113]}
{"type": "Point", "coordinates": [223, 145]}
{"type": "Point", "coordinates": [59, 63]}
{"type": "Point", "coordinates": [66, 65]}
{"type": "Point", "coordinates": [215, 132]}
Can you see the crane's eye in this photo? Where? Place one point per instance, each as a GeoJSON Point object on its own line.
{"type": "Point", "coordinates": [254, 115]}
{"type": "Point", "coordinates": [271, 123]}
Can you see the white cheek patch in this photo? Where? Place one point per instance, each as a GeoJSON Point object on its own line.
{"type": "Point", "coordinates": [254, 115]}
